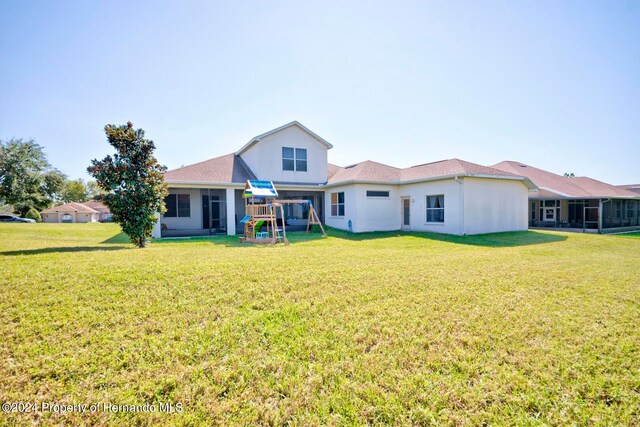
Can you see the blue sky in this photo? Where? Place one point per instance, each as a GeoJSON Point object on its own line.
{"type": "Point", "coordinates": [553, 84]}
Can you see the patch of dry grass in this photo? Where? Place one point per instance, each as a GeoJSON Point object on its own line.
{"type": "Point", "coordinates": [529, 328]}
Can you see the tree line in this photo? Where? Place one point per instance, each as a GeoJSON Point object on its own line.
{"type": "Point", "coordinates": [29, 181]}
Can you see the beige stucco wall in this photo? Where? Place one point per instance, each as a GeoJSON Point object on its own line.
{"type": "Point", "coordinates": [376, 214]}
{"type": "Point", "coordinates": [495, 205]}
{"type": "Point", "coordinates": [265, 157]}
{"type": "Point", "coordinates": [350, 207]}
{"type": "Point", "coordinates": [418, 195]}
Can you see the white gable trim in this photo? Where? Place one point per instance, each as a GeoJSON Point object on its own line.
{"type": "Point", "coordinates": [257, 139]}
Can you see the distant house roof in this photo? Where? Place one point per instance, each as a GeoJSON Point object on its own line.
{"type": "Point", "coordinates": [369, 171]}
{"type": "Point", "coordinates": [99, 206]}
{"type": "Point", "coordinates": [71, 207]}
{"type": "Point", "coordinates": [551, 184]}
{"type": "Point", "coordinates": [256, 139]}
{"type": "Point", "coordinates": [225, 169]}
{"type": "Point", "coordinates": [631, 187]}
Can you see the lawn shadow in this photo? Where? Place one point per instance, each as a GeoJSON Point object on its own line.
{"type": "Point", "coordinates": [234, 241]}
{"type": "Point", "coordinates": [493, 240]}
{"type": "Point", "coordinates": [119, 238]}
{"type": "Point", "coordinates": [63, 249]}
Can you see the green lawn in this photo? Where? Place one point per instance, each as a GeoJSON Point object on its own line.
{"type": "Point", "coordinates": [532, 328]}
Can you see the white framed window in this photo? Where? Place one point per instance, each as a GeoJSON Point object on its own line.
{"type": "Point", "coordinates": [378, 194]}
{"type": "Point", "coordinates": [294, 159]}
{"type": "Point", "coordinates": [435, 208]}
{"type": "Point", "coordinates": [178, 206]}
{"type": "Point", "coordinates": [337, 204]}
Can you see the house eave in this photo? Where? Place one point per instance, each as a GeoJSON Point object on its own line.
{"type": "Point", "coordinates": [527, 182]}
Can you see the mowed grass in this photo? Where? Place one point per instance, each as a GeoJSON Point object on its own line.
{"type": "Point", "coordinates": [531, 328]}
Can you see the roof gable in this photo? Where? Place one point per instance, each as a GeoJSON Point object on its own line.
{"type": "Point", "coordinates": [257, 139]}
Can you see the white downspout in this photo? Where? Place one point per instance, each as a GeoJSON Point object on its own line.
{"type": "Point", "coordinates": [461, 182]}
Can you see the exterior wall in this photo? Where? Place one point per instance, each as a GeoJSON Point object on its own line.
{"type": "Point", "coordinates": [194, 222]}
{"type": "Point", "coordinates": [418, 193]}
{"type": "Point", "coordinates": [376, 213]}
{"type": "Point", "coordinates": [85, 217]}
{"type": "Point", "coordinates": [79, 217]}
{"type": "Point", "coordinates": [49, 217]}
{"type": "Point", "coordinates": [265, 157]}
{"type": "Point", "coordinates": [350, 207]}
{"type": "Point", "coordinates": [494, 205]}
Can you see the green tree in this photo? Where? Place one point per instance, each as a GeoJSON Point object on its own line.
{"type": "Point", "coordinates": [33, 214]}
{"type": "Point", "coordinates": [27, 180]}
{"type": "Point", "coordinates": [133, 180]}
{"type": "Point", "coordinates": [94, 191]}
{"type": "Point", "coordinates": [74, 191]}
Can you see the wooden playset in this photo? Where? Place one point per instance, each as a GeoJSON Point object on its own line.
{"type": "Point", "coordinates": [264, 210]}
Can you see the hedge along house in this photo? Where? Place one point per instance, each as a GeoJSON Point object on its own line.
{"type": "Point", "coordinates": [578, 203]}
{"type": "Point", "coordinates": [450, 196]}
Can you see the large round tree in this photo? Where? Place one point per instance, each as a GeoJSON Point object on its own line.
{"type": "Point", "coordinates": [133, 180]}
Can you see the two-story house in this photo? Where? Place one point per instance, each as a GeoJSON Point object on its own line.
{"type": "Point", "coordinates": [449, 196]}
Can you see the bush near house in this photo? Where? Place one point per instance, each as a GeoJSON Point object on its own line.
{"type": "Point", "coordinates": [34, 215]}
{"type": "Point", "coordinates": [530, 328]}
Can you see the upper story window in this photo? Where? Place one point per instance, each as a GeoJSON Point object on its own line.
{"type": "Point", "coordinates": [294, 159]}
{"type": "Point", "coordinates": [178, 205]}
{"type": "Point", "coordinates": [435, 208]}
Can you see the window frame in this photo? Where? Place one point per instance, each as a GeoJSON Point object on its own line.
{"type": "Point", "coordinates": [370, 196]}
{"type": "Point", "coordinates": [176, 197]}
{"type": "Point", "coordinates": [337, 204]}
{"type": "Point", "coordinates": [298, 157]}
{"type": "Point", "coordinates": [427, 209]}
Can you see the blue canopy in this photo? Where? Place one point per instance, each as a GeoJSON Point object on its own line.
{"type": "Point", "coordinates": [255, 188]}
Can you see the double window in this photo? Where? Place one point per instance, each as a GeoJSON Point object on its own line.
{"type": "Point", "coordinates": [178, 206]}
{"type": "Point", "coordinates": [435, 208]}
{"type": "Point", "coordinates": [294, 159]}
{"type": "Point", "coordinates": [549, 210]}
{"type": "Point", "coordinates": [337, 204]}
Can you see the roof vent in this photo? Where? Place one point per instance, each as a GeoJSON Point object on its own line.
{"type": "Point", "coordinates": [351, 166]}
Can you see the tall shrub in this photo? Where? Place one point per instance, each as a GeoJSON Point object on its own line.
{"type": "Point", "coordinates": [133, 181]}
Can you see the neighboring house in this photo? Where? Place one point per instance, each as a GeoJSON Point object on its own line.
{"type": "Point", "coordinates": [631, 187]}
{"type": "Point", "coordinates": [70, 212]}
{"type": "Point", "coordinates": [105, 213]}
{"type": "Point", "coordinates": [450, 196]}
{"type": "Point", "coordinates": [579, 202]}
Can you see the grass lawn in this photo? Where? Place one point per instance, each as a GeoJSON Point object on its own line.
{"type": "Point", "coordinates": [531, 328]}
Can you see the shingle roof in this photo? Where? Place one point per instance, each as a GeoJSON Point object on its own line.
{"type": "Point", "coordinates": [564, 186]}
{"type": "Point", "coordinates": [366, 171]}
{"type": "Point", "coordinates": [450, 167]}
{"type": "Point", "coordinates": [631, 187]}
{"type": "Point", "coordinates": [71, 207]}
{"type": "Point", "coordinates": [229, 168]}
{"type": "Point", "coordinates": [378, 172]}
{"type": "Point", "coordinates": [100, 207]}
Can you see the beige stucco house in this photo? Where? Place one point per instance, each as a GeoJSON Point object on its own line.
{"type": "Point", "coordinates": [450, 196]}
{"type": "Point", "coordinates": [71, 212]}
